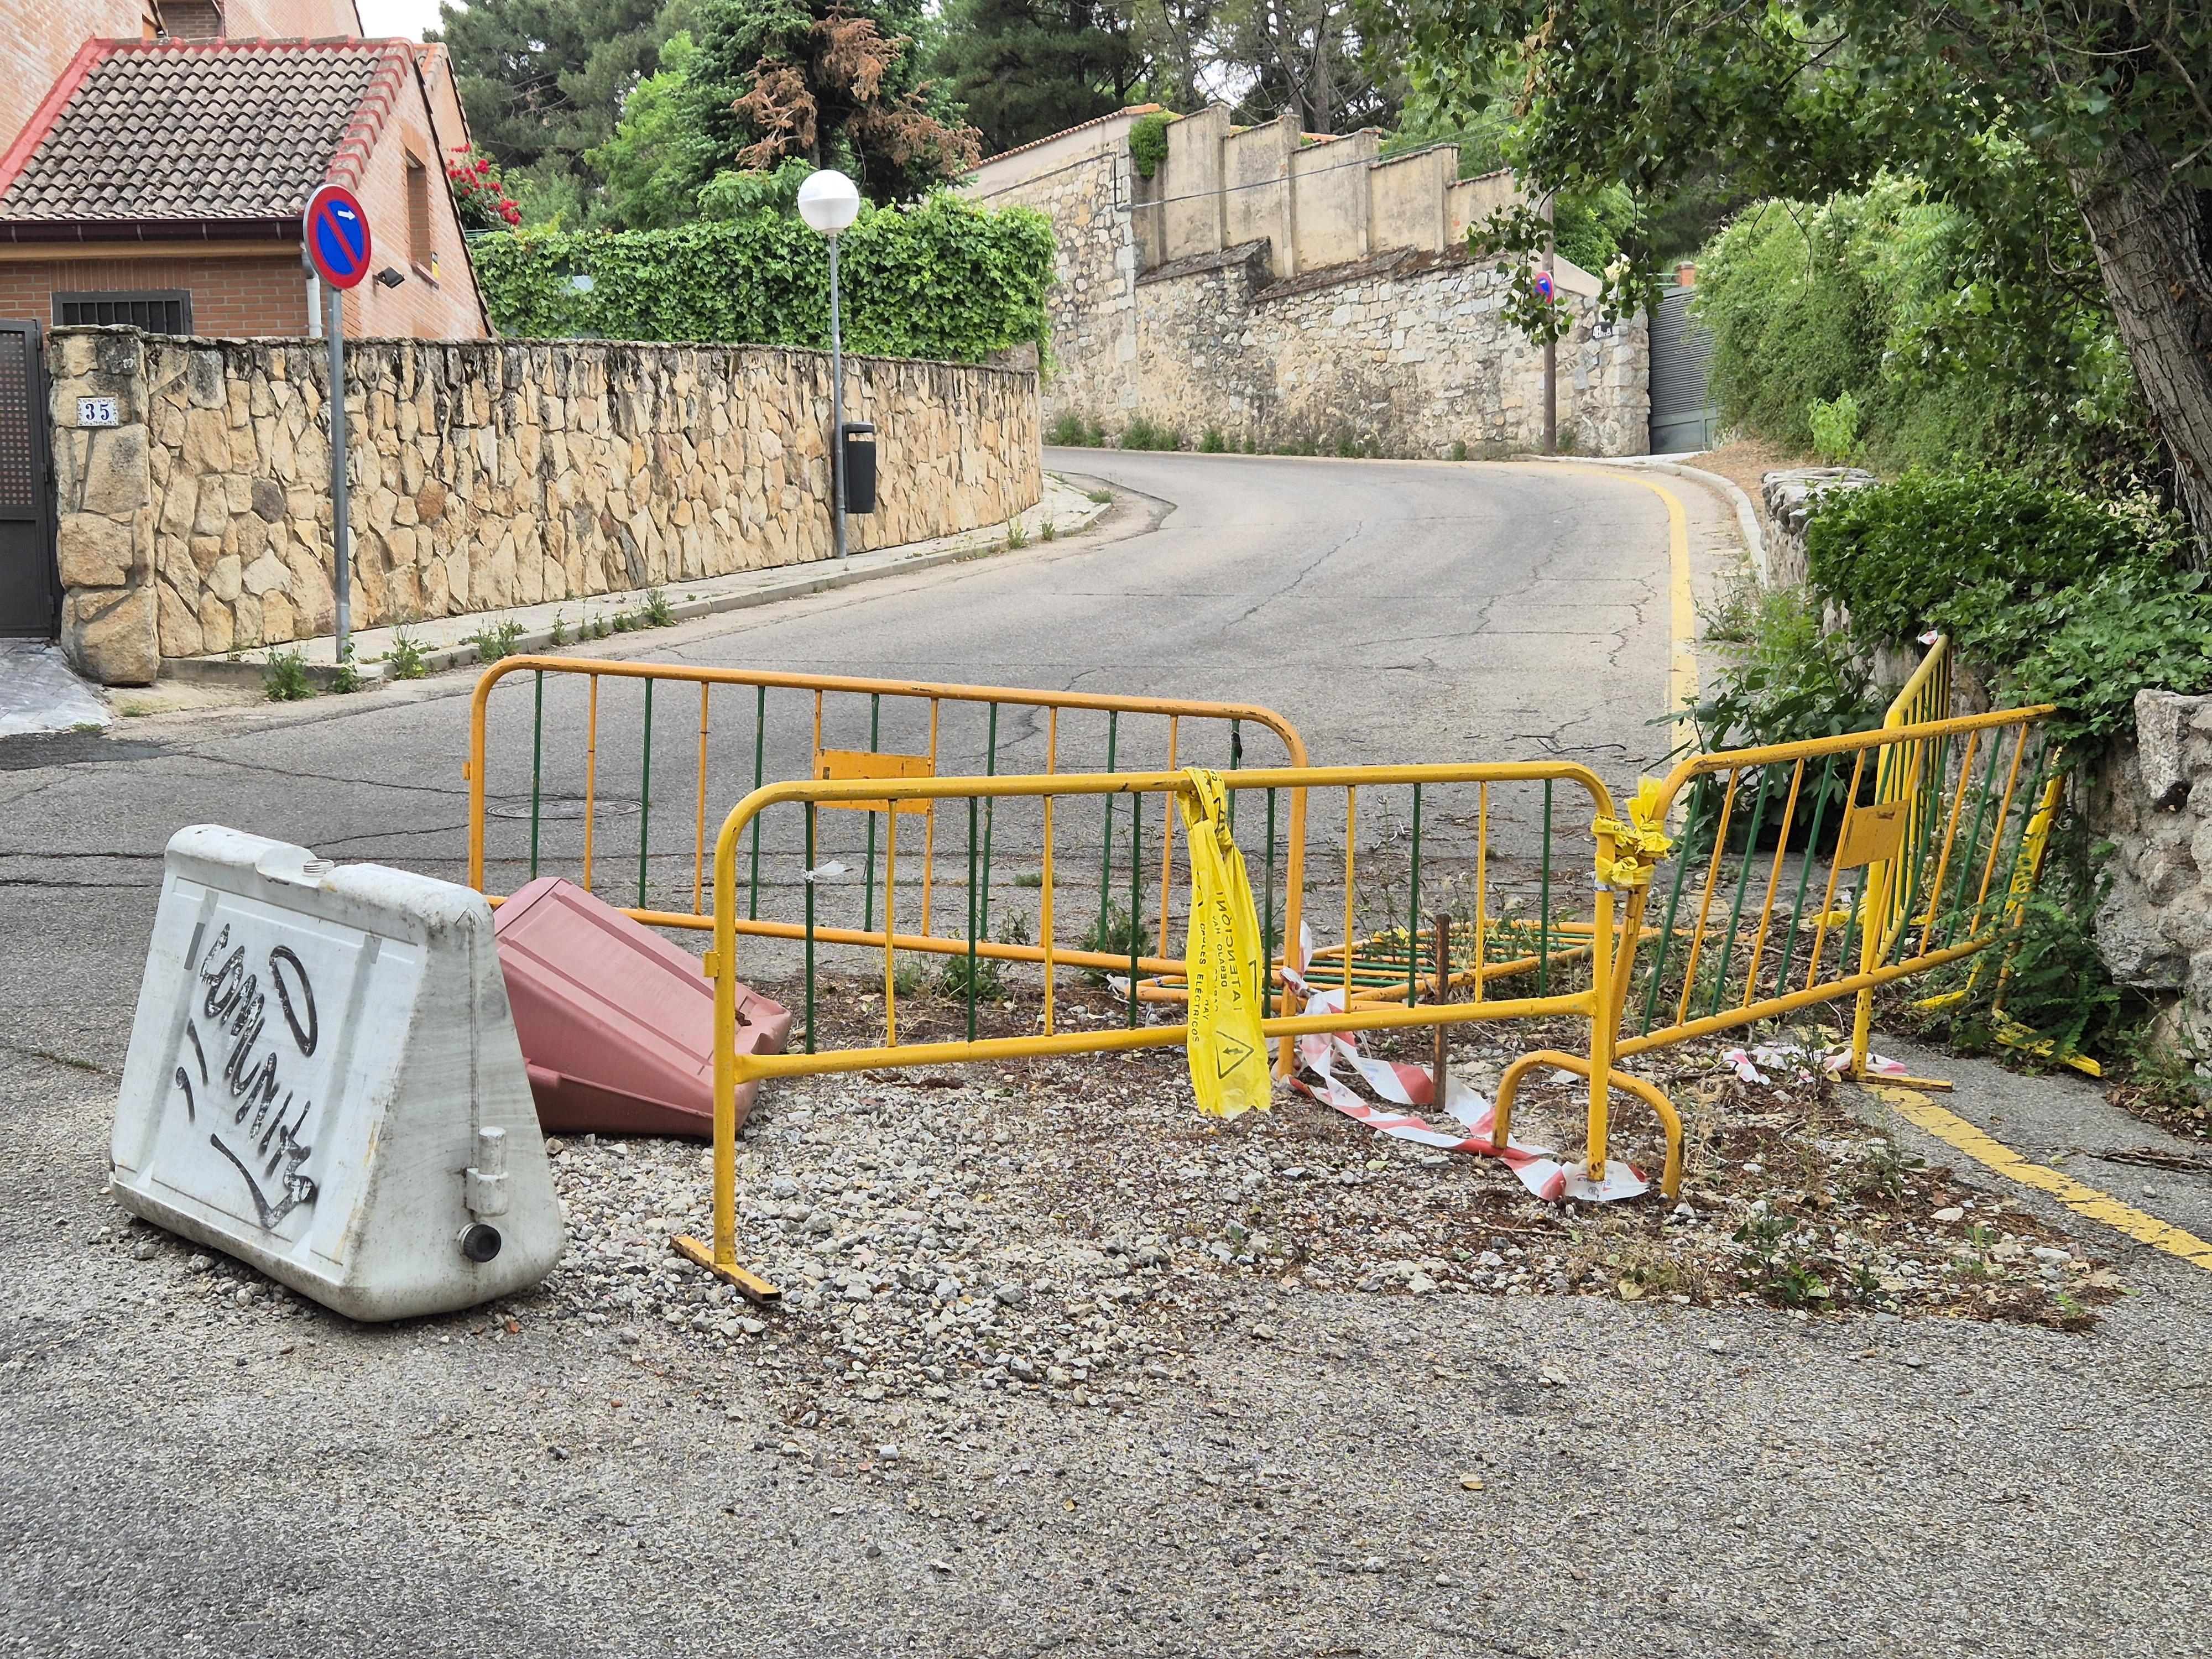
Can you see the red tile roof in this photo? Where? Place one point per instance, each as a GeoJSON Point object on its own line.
{"type": "Point", "coordinates": [203, 131]}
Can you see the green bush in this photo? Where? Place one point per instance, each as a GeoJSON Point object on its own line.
{"type": "Point", "coordinates": [1148, 142]}
{"type": "Point", "coordinates": [1142, 433]}
{"type": "Point", "coordinates": [2142, 625]}
{"type": "Point", "coordinates": [943, 278]}
{"type": "Point", "coordinates": [1780, 679]}
{"type": "Point", "coordinates": [1836, 430]}
{"type": "Point", "coordinates": [1072, 431]}
{"type": "Point", "coordinates": [1903, 555]}
{"type": "Point", "coordinates": [1898, 302]}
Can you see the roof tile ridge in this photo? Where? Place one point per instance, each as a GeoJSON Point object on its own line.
{"type": "Point", "coordinates": [39, 127]}
{"type": "Point", "coordinates": [350, 160]}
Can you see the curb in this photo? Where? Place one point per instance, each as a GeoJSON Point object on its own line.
{"type": "Point", "coordinates": [249, 671]}
{"type": "Point", "coordinates": [1746, 515]}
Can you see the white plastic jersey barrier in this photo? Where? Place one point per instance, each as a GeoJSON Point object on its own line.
{"type": "Point", "coordinates": [324, 1081]}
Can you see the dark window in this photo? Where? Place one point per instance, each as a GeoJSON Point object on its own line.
{"type": "Point", "coordinates": [160, 311]}
{"type": "Point", "coordinates": [419, 246]}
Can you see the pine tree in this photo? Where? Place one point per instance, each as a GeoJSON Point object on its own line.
{"type": "Point", "coordinates": [1025, 69]}
{"type": "Point", "coordinates": [543, 81]}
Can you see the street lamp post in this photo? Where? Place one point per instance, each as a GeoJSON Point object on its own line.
{"type": "Point", "coordinates": [829, 201]}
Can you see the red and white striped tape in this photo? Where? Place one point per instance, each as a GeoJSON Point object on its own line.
{"type": "Point", "coordinates": [1401, 1084]}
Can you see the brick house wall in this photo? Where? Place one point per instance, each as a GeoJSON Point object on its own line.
{"type": "Point", "coordinates": [438, 301]}
{"type": "Point", "coordinates": [232, 296]}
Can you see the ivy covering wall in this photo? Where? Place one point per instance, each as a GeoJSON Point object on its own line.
{"type": "Point", "coordinates": [943, 279]}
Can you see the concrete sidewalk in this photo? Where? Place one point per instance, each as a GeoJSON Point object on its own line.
{"type": "Point", "coordinates": [446, 642]}
{"type": "Point", "coordinates": [40, 693]}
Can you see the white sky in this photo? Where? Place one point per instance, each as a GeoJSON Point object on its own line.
{"type": "Point", "coordinates": [384, 20]}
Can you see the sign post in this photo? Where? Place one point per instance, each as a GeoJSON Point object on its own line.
{"type": "Point", "coordinates": [334, 234]}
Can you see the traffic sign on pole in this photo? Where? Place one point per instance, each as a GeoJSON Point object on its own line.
{"type": "Point", "coordinates": [336, 232]}
{"type": "Point", "coordinates": [334, 236]}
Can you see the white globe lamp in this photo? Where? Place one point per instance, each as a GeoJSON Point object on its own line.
{"type": "Point", "coordinates": [829, 201]}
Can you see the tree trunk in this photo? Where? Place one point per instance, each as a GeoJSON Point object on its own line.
{"type": "Point", "coordinates": [2154, 242]}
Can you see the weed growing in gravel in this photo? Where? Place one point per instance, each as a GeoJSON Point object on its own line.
{"type": "Point", "coordinates": [1880, 1174]}
{"type": "Point", "coordinates": [1101, 497]}
{"type": "Point", "coordinates": [402, 657]}
{"type": "Point", "coordinates": [990, 984]}
{"type": "Point", "coordinates": [1777, 1265]}
{"type": "Point", "coordinates": [284, 678]}
{"type": "Point", "coordinates": [1115, 933]}
{"type": "Point", "coordinates": [654, 612]}
{"type": "Point", "coordinates": [495, 640]}
{"type": "Point", "coordinates": [1030, 879]}
{"type": "Point", "coordinates": [909, 977]}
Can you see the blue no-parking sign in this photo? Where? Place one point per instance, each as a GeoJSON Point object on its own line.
{"type": "Point", "coordinates": [335, 233]}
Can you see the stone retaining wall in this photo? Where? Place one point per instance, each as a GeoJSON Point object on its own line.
{"type": "Point", "coordinates": [484, 475]}
{"type": "Point", "coordinates": [1405, 354]}
{"type": "Point", "coordinates": [2154, 803]}
{"type": "Point", "coordinates": [1397, 350]}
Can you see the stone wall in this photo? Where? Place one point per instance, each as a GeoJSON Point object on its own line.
{"type": "Point", "coordinates": [2154, 803]}
{"type": "Point", "coordinates": [1086, 188]}
{"type": "Point", "coordinates": [1345, 315]}
{"type": "Point", "coordinates": [1403, 354]}
{"type": "Point", "coordinates": [484, 475]}
{"type": "Point", "coordinates": [1787, 501]}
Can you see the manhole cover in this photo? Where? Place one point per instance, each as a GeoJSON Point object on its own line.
{"type": "Point", "coordinates": [562, 806]}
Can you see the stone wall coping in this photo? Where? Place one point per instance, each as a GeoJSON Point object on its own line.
{"type": "Point", "coordinates": [1194, 265]}
{"type": "Point", "coordinates": [508, 342]}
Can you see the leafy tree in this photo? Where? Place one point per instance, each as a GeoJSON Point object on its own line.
{"type": "Point", "coordinates": [1026, 69]}
{"type": "Point", "coordinates": [543, 80]}
{"type": "Point", "coordinates": [2107, 103]}
{"type": "Point", "coordinates": [656, 160]}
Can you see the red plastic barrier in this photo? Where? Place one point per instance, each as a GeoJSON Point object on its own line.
{"type": "Point", "coordinates": [617, 1025]}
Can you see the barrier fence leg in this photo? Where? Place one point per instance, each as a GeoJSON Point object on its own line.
{"type": "Point", "coordinates": [719, 1256]}
{"type": "Point", "coordinates": [1602, 1029]}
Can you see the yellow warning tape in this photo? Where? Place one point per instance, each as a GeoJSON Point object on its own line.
{"type": "Point", "coordinates": [2076, 1195]}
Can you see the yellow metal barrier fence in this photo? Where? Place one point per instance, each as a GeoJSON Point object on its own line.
{"type": "Point", "coordinates": [1591, 937]}
{"type": "Point", "coordinates": [913, 730]}
{"type": "Point", "coordinates": [1750, 946]}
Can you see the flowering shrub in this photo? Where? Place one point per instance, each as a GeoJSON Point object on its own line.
{"type": "Point", "coordinates": [478, 194]}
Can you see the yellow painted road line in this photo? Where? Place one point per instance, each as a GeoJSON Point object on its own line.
{"type": "Point", "coordinates": [2076, 1195]}
{"type": "Point", "coordinates": [1682, 603]}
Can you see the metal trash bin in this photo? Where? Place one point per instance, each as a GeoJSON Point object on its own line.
{"type": "Point", "coordinates": [860, 440]}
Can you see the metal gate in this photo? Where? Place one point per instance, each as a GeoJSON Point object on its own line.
{"type": "Point", "coordinates": [1682, 415]}
{"type": "Point", "coordinates": [29, 594]}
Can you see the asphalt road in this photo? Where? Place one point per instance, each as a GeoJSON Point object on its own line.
{"type": "Point", "coordinates": [1701, 1482]}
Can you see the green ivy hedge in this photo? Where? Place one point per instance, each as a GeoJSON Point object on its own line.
{"type": "Point", "coordinates": [943, 279]}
